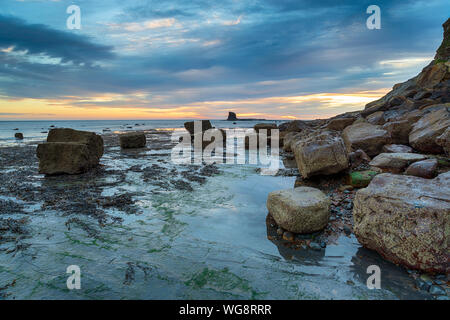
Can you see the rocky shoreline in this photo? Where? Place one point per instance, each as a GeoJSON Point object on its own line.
{"type": "Point", "coordinates": [381, 175]}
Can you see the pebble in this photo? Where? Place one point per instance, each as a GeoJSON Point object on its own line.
{"type": "Point", "coordinates": [288, 236]}
{"type": "Point", "coordinates": [347, 230]}
{"type": "Point", "coordinates": [345, 187]}
{"type": "Point", "coordinates": [422, 285]}
{"type": "Point", "coordinates": [436, 290]}
{"type": "Point", "coordinates": [280, 231]}
{"type": "Point", "coordinates": [315, 246]}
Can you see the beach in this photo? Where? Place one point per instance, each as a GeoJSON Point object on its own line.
{"type": "Point", "coordinates": [141, 227]}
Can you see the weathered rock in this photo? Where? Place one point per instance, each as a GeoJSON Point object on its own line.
{"type": "Point", "coordinates": [267, 126]}
{"type": "Point", "coordinates": [397, 148]}
{"type": "Point", "coordinates": [406, 219]}
{"type": "Point", "coordinates": [18, 135]}
{"type": "Point", "coordinates": [190, 126]}
{"type": "Point", "coordinates": [132, 140]}
{"type": "Point", "coordinates": [323, 153]}
{"type": "Point", "coordinates": [399, 131]}
{"type": "Point", "coordinates": [358, 158]}
{"type": "Point", "coordinates": [299, 210]}
{"type": "Point", "coordinates": [292, 137]}
{"type": "Point", "coordinates": [64, 157]}
{"type": "Point", "coordinates": [376, 118]}
{"type": "Point", "coordinates": [294, 126]}
{"type": "Point", "coordinates": [339, 124]}
{"type": "Point", "coordinates": [425, 169]}
{"type": "Point", "coordinates": [361, 179]}
{"type": "Point", "coordinates": [368, 137]}
{"type": "Point", "coordinates": [69, 151]}
{"type": "Point", "coordinates": [93, 141]}
{"type": "Point", "coordinates": [425, 131]}
{"type": "Point", "coordinates": [395, 162]}
{"type": "Point", "coordinates": [444, 141]}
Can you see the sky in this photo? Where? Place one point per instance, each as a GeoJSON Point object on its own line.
{"type": "Point", "coordinates": [200, 59]}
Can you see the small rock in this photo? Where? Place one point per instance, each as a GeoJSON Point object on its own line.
{"type": "Point", "coordinates": [397, 148]}
{"type": "Point", "coordinates": [361, 179]}
{"type": "Point", "coordinates": [280, 231]}
{"type": "Point", "coordinates": [288, 236]}
{"type": "Point", "coordinates": [132, 140]}
{"type": "Point", "coordinates": [347, 230]}
{"type": "Point", "coordinates": [18, 135]}
{"type": "Point", "coordinates": [395, 162]}
{"type": "Point", "coordinates": [345, 188]}
{"type": "Point", "coordinates": [422, 285]}
{"type": "Point", "coordinates": [424, 169]}
{"type": "Point", "coordinates": [315, 246]}
{"type": "Point", "coordinates": [437, 291]}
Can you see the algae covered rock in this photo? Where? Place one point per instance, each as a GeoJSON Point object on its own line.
{"type": "Point", "coordinates": [361, 179]}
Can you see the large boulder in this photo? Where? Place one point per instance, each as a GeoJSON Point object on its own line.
{"type": "Point", "coordinates": [93, 141]}
{"type": "Point", "coordinates": [299, 210]}
{"type": "Point", "coordinates": [190, 126]}
{"type": "Point", "coordinates": [339, 124]}
{"type": "Point", "coordinates": [69, 151]}
{"type": "Point", "coordinates": [322, 153]}
{"type": "Point", "coordinates": [132, 140]}
{"type": "Point", "coordinates": [292, 137]}
{"type": "Point", "coordinates": [395, 162]}
{"type": "Point", "coordinates": [64, 158]}
{"type": "Point", "coordinates": [425, 132]}
{"type": "Point", "coordinates": [376, 118]}
{"type": "Point", "coordinates": [293, 126]}
{"type": "Point", "coordinates": [406, 219]}
{"type": "Point", "coordinates": [399, 131]}
{"type": "Point", "coordinates": [368, 137]}
{"type": "Point", "coordinates": [18, 135]}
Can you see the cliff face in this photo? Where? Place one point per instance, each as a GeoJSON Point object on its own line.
{"type": "Point", "coordinates": [431, 86]}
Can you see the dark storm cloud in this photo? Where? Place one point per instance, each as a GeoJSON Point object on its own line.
{"type": "Point", "coordinates": [40, 39]}
{"type": "Point", "coordinates": [316, 42]}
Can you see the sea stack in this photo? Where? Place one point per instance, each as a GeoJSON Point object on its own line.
{"type": "Point", "coordinates": [232, 116]}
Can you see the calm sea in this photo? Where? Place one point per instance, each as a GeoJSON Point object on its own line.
{"type": "Point", "coordinates": [34, 131]}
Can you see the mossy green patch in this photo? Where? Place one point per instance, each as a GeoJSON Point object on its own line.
{"type": "Point", "coordinates": [361, 179]}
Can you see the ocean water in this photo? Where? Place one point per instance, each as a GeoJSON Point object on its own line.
{"type": "Point", "coordinates": [34, 131]}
